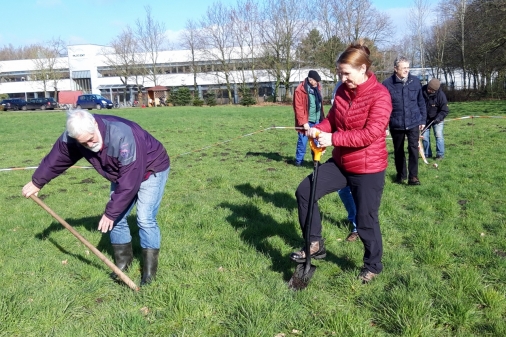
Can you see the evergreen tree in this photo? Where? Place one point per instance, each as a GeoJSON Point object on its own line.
{"type": "Point", "coordinates": [247, 98]}
{"type": "Point", "coordinates": [181, 96]}
{"type": "Point", "coordinates": [210, 98]}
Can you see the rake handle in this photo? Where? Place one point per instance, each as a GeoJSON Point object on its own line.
{"type": "Point", "coordinates": [95, 251]}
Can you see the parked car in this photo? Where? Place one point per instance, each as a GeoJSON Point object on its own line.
{"type": "Point", "coordinates": [41, 103]}
{"type": "Point", "coordinates": [13, 104]}
{"type": "Point", "coordinates": [93, 102]}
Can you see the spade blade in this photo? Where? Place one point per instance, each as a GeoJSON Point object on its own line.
{"type": "Point", "coordinates": [300, 279]}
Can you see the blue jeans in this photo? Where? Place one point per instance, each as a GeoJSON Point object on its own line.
{"type": "Point", "coordinates": [301, 146]}
{"type": "Point", "coordinates": [349, 204]}
{"type": "Point", "coordinates": [440, 141]}
{"type": "Point", "coordinates": [148, 201]}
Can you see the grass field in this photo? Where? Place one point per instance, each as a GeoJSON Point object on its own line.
{"type": "Point", "coordinates": [229, 222]}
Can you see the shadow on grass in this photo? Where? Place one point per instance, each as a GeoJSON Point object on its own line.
{"type": "Point", "coordinates": [269, 155]}
{"type": "Point", "coordinates": [286, 201]}
{"type": "Point", "coordinates": [256, 228]}
{"type": "Point", "coordinates": [275, 156]}
{"type": "Point", "coordinates": [90, 224]}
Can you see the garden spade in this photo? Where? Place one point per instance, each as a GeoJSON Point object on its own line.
{"type": "Point", "coordinates": [101, 256]}
{"type": "Point", "coordinates": [304, 271]}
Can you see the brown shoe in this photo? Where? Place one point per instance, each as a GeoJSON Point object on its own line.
{"type": "Point", "coordinates": [317, 250]}
{"type": "Point", "coordinates": [414, 181]}
{"type": "Point", "coordinates": [366, 275]}
{"type": "Point", "coordinates": [353, 236]}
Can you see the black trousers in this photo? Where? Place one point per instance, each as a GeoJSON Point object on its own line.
{"type": "Point", "coordinates": [413, 136]}
{"type": "Point", "coordinates": [366, 190]}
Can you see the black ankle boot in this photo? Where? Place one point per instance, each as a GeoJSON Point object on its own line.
{"type": "Point", "coordinates": [149, 265]}
{"type": "Point", "coordinates": [123, 256]}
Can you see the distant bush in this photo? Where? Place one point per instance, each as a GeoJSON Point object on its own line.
{"type": "Point", "coordinates": [270, 99]}
{"type": "Point", "coordinates": [181, 96]}
{"type": "Point", "coordinates": [247, 98]}
{"type": "Point", "coordinates": [198, 102]}
{"type": "Point", "coordinates": [210, 98]}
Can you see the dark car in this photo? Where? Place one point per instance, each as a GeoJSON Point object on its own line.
{"type": "Point", "coordinates": [13, 104]}
{"type": "Point", "coordinates": [41, 103]}
{"type": "Point", "coordinates": [92, 101]}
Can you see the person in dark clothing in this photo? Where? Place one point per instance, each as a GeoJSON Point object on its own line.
{"type": "Point", "coordinates": [437, 110]}
{"type": "Point", "coordinates": [308, 109]}
{"type": "Point", "coordinates": [136, 164]}
{"type": "Point", "coordinates": [408, 118]}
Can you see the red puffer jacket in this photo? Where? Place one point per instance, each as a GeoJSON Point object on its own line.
{"type": "Point", "coordinates": [358, 121]}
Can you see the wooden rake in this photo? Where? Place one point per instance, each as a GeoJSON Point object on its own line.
{"type": "Point", "coordinates": [95, 251]}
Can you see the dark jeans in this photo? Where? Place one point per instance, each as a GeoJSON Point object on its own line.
{"type": "Point", "coordinates": [366, 189]}
{"type": "Point", "coordinates": [399, 155]}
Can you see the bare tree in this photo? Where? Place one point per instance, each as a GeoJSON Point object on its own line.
{"type": "Point", "coordinates": [342, 22]}
{"type": "Point", "coordinates": [435, 45]}
{"type": "Point", "coordinates": [417, 24]}
{"type": "Point", "coordinates": [470, 35]}
{"type": "Point", "coordinates": [152, 39]}
{"type": "Point", "coordinates": [48, 64]}
{"type": "Point", "coordinates": [9, 52]}
{"type": "Point", "coordinates": [405, 47]}
{"type": "Point", "coordinates": [456, 9]}
{"type": "Point", "coordinates": [124, 58]}
{"type": "Point", "coordinates": [285, 23]}
{"type": "Point", "coordinates": [358, 19]}
{"type": "Point", "coordinates": [245, 22]}
{"type": "Point", "coordinates": [328, 24]}
{"type": "Point", "coordinates": [216, 27]}
{"type": "Point", "coordinates": [191, 40]}
{"type": "Point", "coordinates": [486, 34]}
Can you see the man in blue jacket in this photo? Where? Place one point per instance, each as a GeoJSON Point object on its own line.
{"type": "Point", "coordinates": [407, 119]}
{"type": "Point", "coordinates": [437, 110]}
{"type": "Point", "coordinates": [136, 164]}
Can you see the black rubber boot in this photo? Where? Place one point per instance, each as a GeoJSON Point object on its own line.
{"type": "Point", "coordinates": [149, 265]}
{"type": "Point", "coordinates": [123, 257]}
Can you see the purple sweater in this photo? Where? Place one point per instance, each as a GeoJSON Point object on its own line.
{"type": "Point", "coordinates": [128, 156]}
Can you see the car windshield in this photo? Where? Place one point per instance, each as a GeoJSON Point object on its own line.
{"type": "Point", "coordinates": [100, 97]}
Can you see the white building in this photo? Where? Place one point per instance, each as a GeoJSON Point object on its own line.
{"type": "Point", "coordinates": [86, 68]}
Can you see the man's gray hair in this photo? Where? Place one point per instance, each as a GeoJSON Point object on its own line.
{"type": "Point", "coordinates": [79, 122]}
{"type": "Point", "coordinates": [400, 59]}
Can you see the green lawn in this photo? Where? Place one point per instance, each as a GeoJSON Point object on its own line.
{"type": "Point", "coordinates": [229, 222]}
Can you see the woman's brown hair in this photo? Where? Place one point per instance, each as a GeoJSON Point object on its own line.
{"type": "Point", "coordinates": [355, 55]}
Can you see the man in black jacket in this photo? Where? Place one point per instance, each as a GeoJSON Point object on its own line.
{"type": "Point", "coordinates": [437, 110]}
{"type": "Point", "coordinates": [407, 119]}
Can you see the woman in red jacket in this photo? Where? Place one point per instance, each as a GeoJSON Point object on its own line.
{"type": "Point", "coordinates": [355, 126]}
